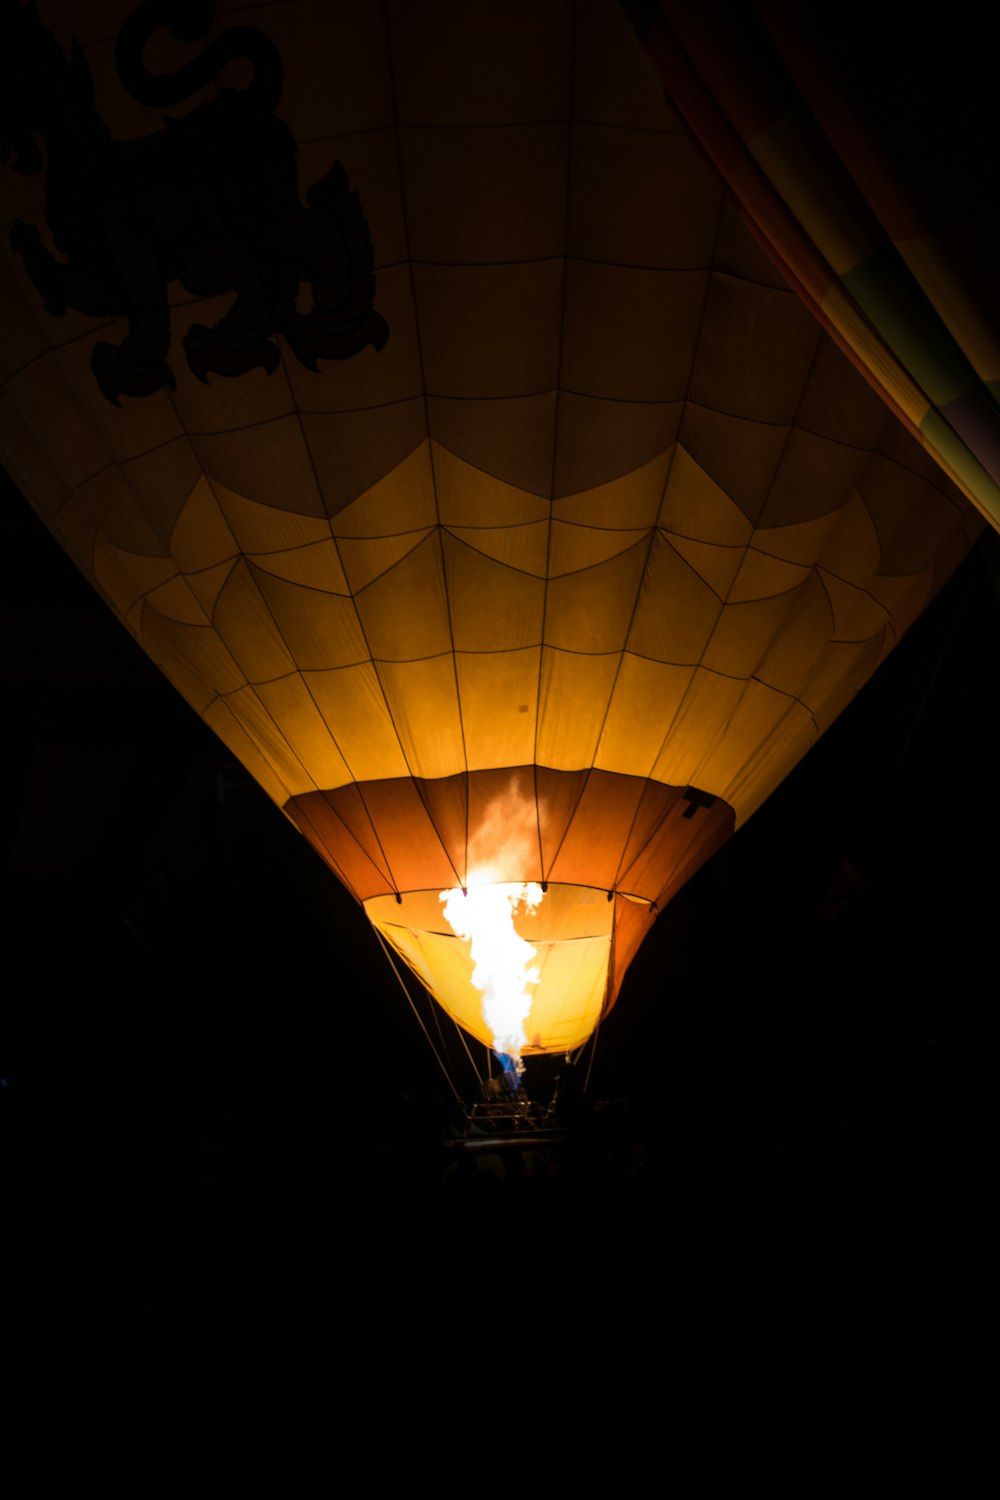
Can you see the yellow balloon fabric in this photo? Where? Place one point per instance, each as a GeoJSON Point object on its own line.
{"type": "Point", "coordinates": [560, 582]}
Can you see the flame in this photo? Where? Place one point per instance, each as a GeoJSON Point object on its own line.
{"type": "Point", "coordinates": [504, 969]}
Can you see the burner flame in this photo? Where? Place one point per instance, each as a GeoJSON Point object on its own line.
{"type": "Point", "coordinates": [505, 970]}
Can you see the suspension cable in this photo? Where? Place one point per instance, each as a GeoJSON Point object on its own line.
{"type": "Point", "coordinates": [472, 1061]}
{"type": "Point", "coordinates": [575, 1057]}
{"type": "Point", "coordinates": [420, 1021]}
{"type": "Point", "coordinates": [593, 1053]}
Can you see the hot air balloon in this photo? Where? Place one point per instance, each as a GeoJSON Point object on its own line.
{"type": "Point", "coordinates": [868, 173]}
{"type": "Point", "coordinates": [415, 392]}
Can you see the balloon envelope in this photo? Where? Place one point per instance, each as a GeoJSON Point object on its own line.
{"type": "Point", "coordinates": [516, 522]}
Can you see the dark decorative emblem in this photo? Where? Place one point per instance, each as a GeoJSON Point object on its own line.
{"type": "Point", "coordinates": [695, 798]}
{"type": "Point", "coordinates": [211, 201]}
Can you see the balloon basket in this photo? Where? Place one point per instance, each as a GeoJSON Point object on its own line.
{"type": "Point", "coordinates": [505, 1115]}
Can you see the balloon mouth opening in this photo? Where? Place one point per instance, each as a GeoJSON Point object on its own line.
{"type": "Point", "coordinates": [566, 938]}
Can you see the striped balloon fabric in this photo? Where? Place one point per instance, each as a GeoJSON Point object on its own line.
{"type": "Point", "coordinates": [862, 148]}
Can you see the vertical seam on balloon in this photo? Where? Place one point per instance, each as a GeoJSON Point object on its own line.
{"type": "Point", "coordinates": [609, 980]}
{"type": "Point", "coordinates": [660, 824]}
{"type": "Point", "coordinates": [223, 699]}
{"type": "Point", "coordinates": [418, 786]}
{"type": "Point", "coordinates": [361, 629]}
{"type": "Point", "coordinates": [696, 772]}
{"type": "Point", "coordinates": [750, 676]}
{"type": "Point", "coordinates": [570, 150]}
{"type": "Point", "coordinates": [873, 454]}
{"type": "Point", "coordinates": [315, 837]}
{"type": "Point", "coordinates": [319, 490]}
{"type": "Point", "coordinates": [430, 455]}
{"type": "Point", "coordinates": [385, 872]}
{"type": "Point", "coordinates": [741, 778]}
{"type": "Point", "coordinates": [695, 666]}
{"type": "Point", "coordinates": [653, 533]}
{"type": "Point", "coordinates": [253, 687]}
{"type": "Point", "coordinates": [321, 493]}
{"type": "Point", "coordinates": [180, 434]}
{"type": "Point", "coordinates": [792, 426]}
{"type": "Point", "coordinates": [296, 670]}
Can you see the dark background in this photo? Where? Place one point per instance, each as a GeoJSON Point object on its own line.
{"type": "Point", "coordinates": [210, 1071]}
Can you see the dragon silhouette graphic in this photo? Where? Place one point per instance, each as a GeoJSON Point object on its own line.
{"type": "Point", "coordinates": [212, 201]}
